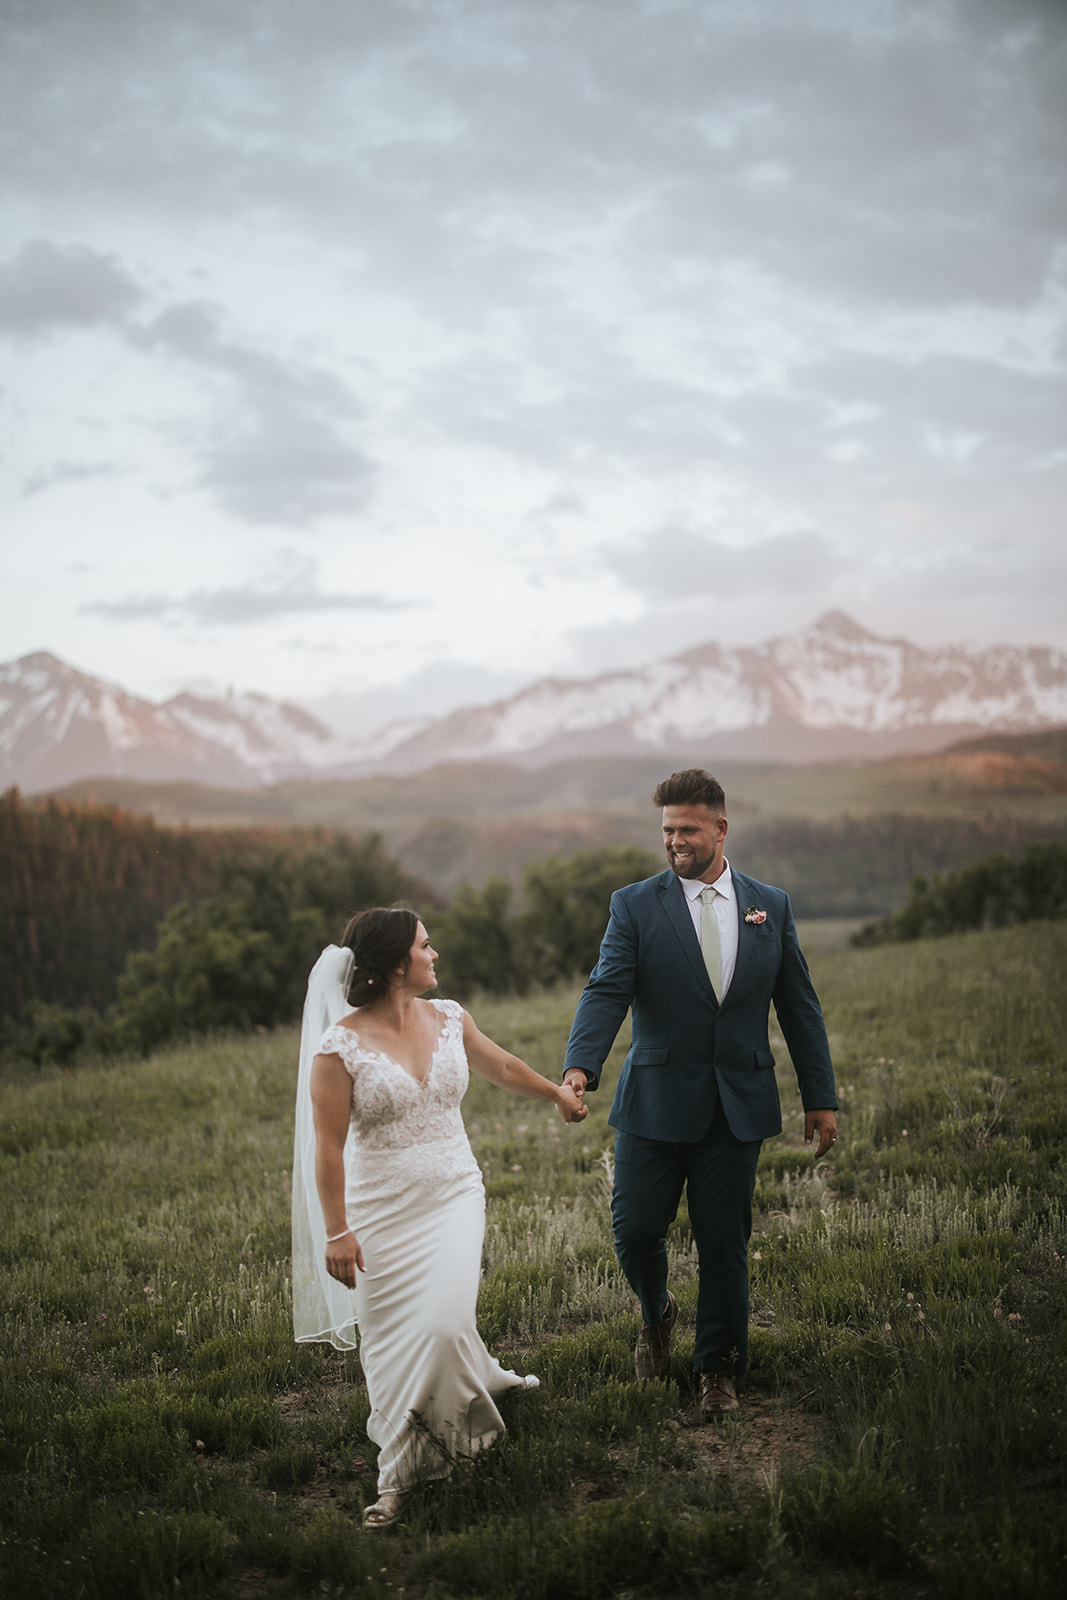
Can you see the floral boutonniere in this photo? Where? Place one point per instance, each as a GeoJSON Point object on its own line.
{"type": "Point", "coordinates": [754, 914]}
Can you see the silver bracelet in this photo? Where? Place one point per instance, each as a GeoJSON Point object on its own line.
{"type": "Point", "coordinates": [335, 1236]}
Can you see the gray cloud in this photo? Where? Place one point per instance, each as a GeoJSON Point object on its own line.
{"type": "Point", "coordinates": [932, 592]}
{"type": "Point", "coordinates": [278, 450]}
{"type": "Point", "coordinates": [283, 465]}
{"type": "Point", "coordinates": [194, 331]}
{"type": "Point", "coordinates": [684, 564]}
{"type": "Point", "coordinates": [63, 473]}
{"type": "Point", "coordinates": [235, 607]}
{"type": "Point", "coordinates": [813, 144]}
{"type": "Point", "coordinates": [281, 451]}
{"type": "Point", "coordinates": [778, 267]}
{"type": "Point", "coordinates": [45, 286]}
{"type": "Point", "coordinates": [428, 693]}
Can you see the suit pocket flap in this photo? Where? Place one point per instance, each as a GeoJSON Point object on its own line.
{"type": "Point", "coordinates": [744, 1060]}
{"type": "Point", "coordinates": [649, 1058]}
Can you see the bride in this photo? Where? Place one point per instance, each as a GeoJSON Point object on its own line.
{"type": "Point", "coordinates": [388, 1199]}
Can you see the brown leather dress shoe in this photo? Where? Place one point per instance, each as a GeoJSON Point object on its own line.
{"type": "Point", "coordinates": [717, 1395]}
{"type": "Point", "coordinates": [652, 1353]}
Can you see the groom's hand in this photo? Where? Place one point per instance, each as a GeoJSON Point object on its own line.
{"type": "Point", "coordinates": [823, 1123]}
{"type": "Point", "coordinates": [570, 1105]}
{"type": "Point", "coordinates": [576, 1079]}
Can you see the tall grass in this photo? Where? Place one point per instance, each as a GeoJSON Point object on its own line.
{"type": "Point", "coordinates": [903, 1425]}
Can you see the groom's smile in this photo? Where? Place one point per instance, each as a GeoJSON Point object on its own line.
{"type": "Point", "coordinates": [693, 838]}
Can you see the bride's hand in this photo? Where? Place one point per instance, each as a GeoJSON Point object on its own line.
{"type": "Point", "coordinates": [570, 1108]}
{"type": "Point", "coordinates": [343, 1257]}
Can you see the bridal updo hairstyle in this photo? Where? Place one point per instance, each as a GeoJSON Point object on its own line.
{"type": "Point", "coordinates": [380, 941]}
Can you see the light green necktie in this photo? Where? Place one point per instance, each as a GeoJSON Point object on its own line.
{"type": "Point", "coordinates": [710, 944]}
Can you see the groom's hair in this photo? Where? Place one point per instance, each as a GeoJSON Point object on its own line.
{"type": "Point", "coordinates": [691, 787]}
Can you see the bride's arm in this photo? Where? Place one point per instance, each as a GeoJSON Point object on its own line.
{"type": "Point", "coordinates": [509, 1072]}
{"type": "Point", "coordinates": [331, 1101]}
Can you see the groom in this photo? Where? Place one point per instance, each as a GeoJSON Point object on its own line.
{"type": "Point", "coordinates": [699, 953]}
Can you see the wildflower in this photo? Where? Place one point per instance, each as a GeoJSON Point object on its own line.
{"type": "Point", "coordinates": [101, 1316]}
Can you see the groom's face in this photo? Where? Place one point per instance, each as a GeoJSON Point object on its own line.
{"type": "Point", "coordinates": [693, 838]}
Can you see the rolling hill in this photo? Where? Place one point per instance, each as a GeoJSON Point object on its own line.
{"type": "Point", "coordinates": [465, 822]}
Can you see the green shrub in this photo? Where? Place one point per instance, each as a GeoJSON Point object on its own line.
{"type": "Point", "coordinates": [991, 893]}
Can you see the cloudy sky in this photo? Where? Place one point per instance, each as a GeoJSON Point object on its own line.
{"type": "Point", "coordinates": [387, 354]}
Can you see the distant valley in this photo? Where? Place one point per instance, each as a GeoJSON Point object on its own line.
{"type": "Point", "coordinates": [881, 822]}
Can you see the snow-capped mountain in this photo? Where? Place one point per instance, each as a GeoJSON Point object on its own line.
{"type": "Point", "coordinates": [831, 691]}
{"type": "Point", "coordinates": [58, 725]}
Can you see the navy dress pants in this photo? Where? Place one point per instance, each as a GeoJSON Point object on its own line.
{"type": "Point", "coordinates": [719, 1174]}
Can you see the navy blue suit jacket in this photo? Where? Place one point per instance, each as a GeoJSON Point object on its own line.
{"type": "Point", "coordinates": [687, 1052]}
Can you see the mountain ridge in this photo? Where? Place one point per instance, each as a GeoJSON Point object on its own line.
{"type": "Point", "coordinates": [833, 691]}
{"type": "Point", "coordinates": [58, 725]}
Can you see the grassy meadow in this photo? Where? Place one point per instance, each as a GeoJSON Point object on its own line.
{"type": "Point", "coordinates": [903, 1426]}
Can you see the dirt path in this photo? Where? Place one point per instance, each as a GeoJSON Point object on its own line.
{"type": "Point", "coordinates": [753, 1445]}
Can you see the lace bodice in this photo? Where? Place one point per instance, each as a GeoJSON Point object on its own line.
{"type": "Point", "coordinates": [402, 1131]}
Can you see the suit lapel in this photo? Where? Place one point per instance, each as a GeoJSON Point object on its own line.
{"type": "Point", "coordinates": [744, 895]}
{"type": "Point", "coordinates": [672, 898]}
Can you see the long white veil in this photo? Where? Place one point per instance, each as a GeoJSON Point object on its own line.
{"type": "Point", "coordinates": [323, 1309]}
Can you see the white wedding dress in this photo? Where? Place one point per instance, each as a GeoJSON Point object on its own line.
{"type": "Point", "coordinates": [416, 1202]}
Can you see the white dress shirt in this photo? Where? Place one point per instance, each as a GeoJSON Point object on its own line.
{"type": "Point", "coordinates": [725, 903]}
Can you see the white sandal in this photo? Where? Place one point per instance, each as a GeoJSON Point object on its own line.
{"type": "Point", "coordinates": [386, 1509]}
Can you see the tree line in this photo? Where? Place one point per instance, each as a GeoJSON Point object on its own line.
{"type": "Point", "coordinates": [863, 866]}
{"type": "Point", "coordinates": [125, 935]}
{"type": "Point", "coordinates": [122, 935]}
{"type": "Point", "coordinates": [80, 888]}
{"type": "Point", "coordinates": [992, 893]}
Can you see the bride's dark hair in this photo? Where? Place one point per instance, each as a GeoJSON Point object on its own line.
{"type": "Point", "coordinates": [380, 941]}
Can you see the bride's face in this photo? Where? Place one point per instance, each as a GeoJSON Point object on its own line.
{"type": "Point", "coordinates": [420, 974]}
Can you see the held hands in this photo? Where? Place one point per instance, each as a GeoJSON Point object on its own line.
{"type": "Point", "coordinates": [825, 1124]}
{"type": "Point", "coordinates": [570, 1103]}
{"type": "Point", "coordinates": [343, 1257]}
